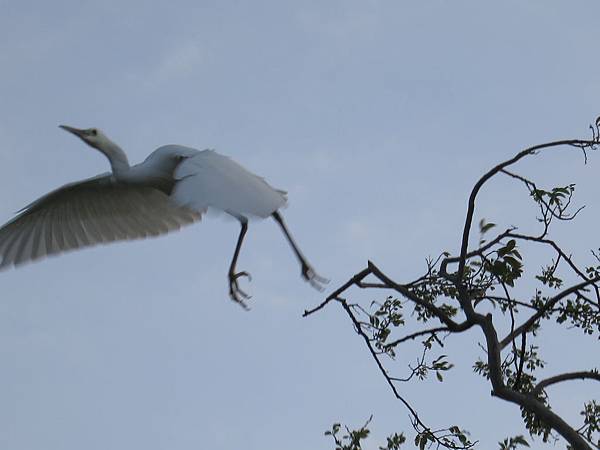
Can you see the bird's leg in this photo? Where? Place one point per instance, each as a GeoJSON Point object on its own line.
{"type": "Point", "coordinates": [236, 294]}
{"type": "Point", "coordinates": [308, 273]}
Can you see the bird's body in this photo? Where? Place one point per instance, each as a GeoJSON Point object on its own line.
{"type": "Point", "coordinates": [173, 187]}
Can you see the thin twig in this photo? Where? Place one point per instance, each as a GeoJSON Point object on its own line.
{"type": "Point", "coordinates": [416, 335]}
{"type": "Point", "coordinates": [546, 308]}
{"type": "Point", "coordinates": [357, 278]}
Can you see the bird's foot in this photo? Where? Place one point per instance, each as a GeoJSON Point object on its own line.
{"type": "Point", "coordinates": [235, 292]}
{"type": "Point", "coordinates": [315, 280]}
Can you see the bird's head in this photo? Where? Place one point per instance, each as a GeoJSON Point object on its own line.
{"type": "Point", "coordinates": [91, 136]}
{"type": "Point", "coordinates": [97, 139]}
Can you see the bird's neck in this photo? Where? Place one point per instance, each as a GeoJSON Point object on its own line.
{"type": "Point", "coordinates": [117, 157]}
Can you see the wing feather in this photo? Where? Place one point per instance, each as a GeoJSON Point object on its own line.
{"type": "Point", "coordinates": [87, 213]}
{"type": "Point", "coordinates": [114, 209]}
{"type": "Point", "coordinates": [38, 248]}
{"type": "Point", "coordinates": [208, 179]}
{"type": "Point", "coordinates": [65, 226]}
{"type": "Point", "coordinates": [5, 238]}
{"type": "Point", "coordinates": [51, 245]}
{"type": "Point", "coordinates": [88, 223]}
{"type": "Point", "coordinates": [57, 236]}
{"type": "Point", "coordinates": [13, 244]}
{"type": "Point", "coordinates": [73, 217]}
{"type": "Point", "coordinates": [141, 221]}
{"type": "Point", "coordinates": [101, 215]}
{"type": "Point", "coordinates": [23, 250]}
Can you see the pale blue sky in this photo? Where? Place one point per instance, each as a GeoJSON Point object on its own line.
{"type": "Point", "coordinates": [376, 116]}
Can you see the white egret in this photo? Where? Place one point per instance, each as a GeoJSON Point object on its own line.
{"type": "Point", "coordinates": [173, 187]}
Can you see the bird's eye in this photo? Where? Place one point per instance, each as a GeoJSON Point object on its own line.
{"type": "Point", "coordinates": [94, 132]}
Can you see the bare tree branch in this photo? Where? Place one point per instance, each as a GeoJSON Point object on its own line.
{"type": "Point", "coordinates": [584, 375]}
{"type": "Point", "coordinates": [415, 335]}
{"type": "Point", "coordinates": [356, 279]}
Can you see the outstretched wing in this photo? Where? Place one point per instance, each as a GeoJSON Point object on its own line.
{"type": "Point", "coordinates": [208, 179]}
{"type": "Point", "coordinates": [87, 213]}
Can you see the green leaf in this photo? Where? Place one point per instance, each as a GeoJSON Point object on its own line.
{"type": "Point", "coordinates": [486, 227]}
{"type": "Point", "coordinates": [513, 262]}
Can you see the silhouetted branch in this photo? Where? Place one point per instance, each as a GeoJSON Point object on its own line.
{"type": "Point", "coordinates": [471, 205]}
{"type": "Point", "coordinates": [415, 335]}
{"type": "Point", "coordinates": [561, 254]}
{"type": "Point", "coordinates": [521, 362]}
{"type": "Point", "coordinates": [545, 309]}
{"type": "Point", "coordinates": [434, 310]}
{"type": "Point", "coordinates": [496, 264]}
{"type": "Point", "coordinates": [584, 375]}
{"type": "Point", "coordinates": [333, 296]}
{"type": "Point", "coordinates": [390, 381]}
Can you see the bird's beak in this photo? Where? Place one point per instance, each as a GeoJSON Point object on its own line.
{"type": "Point", "coordinates": [76, 131]}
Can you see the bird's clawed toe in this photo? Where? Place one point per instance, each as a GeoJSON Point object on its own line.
{"type": "Point", "coordinates": [315, 280]}
{"type": "Point", "coordinates": [235, 292]}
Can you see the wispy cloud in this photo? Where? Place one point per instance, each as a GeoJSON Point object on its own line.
{"type": "Point", "coordinates": [178, 62]}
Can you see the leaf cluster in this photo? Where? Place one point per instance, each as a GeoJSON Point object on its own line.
{"type": "Point", "coordinates": [352, 439]}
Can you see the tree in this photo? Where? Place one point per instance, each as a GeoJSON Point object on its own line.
{"type": "Point", "coordinates": [485, 287]}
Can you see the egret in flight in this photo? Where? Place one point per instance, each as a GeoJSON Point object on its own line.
{"type": "Point", "coordinates": [173, 187]}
